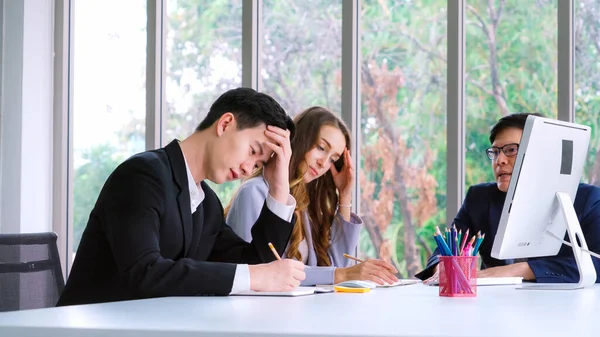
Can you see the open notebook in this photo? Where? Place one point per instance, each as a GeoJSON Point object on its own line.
{"type": "Point", "coordinates": [300, 291]}
{"type": "Point", "coordinates": [373, 285]}
{"type": "Point", "coordinates": [400, 282]}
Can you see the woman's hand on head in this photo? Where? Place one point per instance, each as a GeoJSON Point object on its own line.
{"type": "Point", "coordinates": [344, 179]}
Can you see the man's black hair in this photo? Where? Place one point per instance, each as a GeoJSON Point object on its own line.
{"type": "Point", "coordinates": [250, 108]}
{"type": "Point", "coordinates": [516, 120]}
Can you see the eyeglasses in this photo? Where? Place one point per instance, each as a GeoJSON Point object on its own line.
{"type": "Point", "coordinates": [509, 150]}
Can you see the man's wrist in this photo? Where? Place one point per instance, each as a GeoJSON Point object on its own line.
{"type": "Point", "coordinates": [525, 271]}
{"type": "Point", "coordinates": [280, 194]}
{"type": "Point", "coordinates": [254, 271]}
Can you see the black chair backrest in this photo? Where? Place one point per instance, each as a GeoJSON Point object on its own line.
{"type": "Point", "coordinates": [30, 272]}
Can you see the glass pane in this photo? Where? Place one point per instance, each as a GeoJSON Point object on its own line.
{"type": "Point", "coordinates": [587, 80]}
{"type": "Point", "coordinates": [204, 59]}
{"type": "Point", "coordinates": [301, 53]}
{"type": "Point", "coordinates": [510, 67]}
{"type": "Point", "coordinates": [403, 125]}
{"type": "Point", "coordinates": [109, 95]}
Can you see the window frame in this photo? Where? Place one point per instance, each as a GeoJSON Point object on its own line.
{"type": "Point", "coordinates": [62, 206]}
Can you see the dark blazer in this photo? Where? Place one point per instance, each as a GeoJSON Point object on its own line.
{"type": "Point", "coordinates": [142, 239]}
{"type": "Point", "coordinates": [481, 211]}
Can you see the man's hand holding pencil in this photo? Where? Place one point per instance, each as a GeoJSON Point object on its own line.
{"type": "Point", "coordinates": [279, 275]}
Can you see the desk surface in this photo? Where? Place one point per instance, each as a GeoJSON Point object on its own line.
{"type": "Point", "coordinates": [413, 310]}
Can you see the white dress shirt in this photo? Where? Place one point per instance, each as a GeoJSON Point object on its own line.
{"type": "Point", "coordinates": [241, 280]}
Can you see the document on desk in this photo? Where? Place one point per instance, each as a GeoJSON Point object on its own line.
{"type": "Point", "coordinates": [300, 291]}
{"type": "Point", "coordinates": [498, 281]}
{"type": "Point", "coordinates": [400, 282]}
{"type": "Point", "coordinates": [372, 285]}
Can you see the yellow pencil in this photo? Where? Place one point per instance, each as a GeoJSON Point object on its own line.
{"type": "Point", "coordinates": [353, 258]}
{"type": "Point", "coordinates": [274, 251]}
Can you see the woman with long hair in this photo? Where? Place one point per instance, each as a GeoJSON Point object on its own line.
{"type": "Point", "coordinates": [321, 181]}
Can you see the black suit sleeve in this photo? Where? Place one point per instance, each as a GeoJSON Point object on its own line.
{"type": "Point", "coordinates": [132, 202]}
{"type": "Point", "coordinates": [269, 227]}
{"type": "Point", "coordinates": [462, 221]}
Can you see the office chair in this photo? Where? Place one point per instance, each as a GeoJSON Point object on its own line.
{"type": "Point", "coordinates": [30, 272]}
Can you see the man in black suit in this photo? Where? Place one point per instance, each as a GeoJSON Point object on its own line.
{"type": "Point", "coordinates": [482, 208]}
{"type": "Point", "coordinates": [157, 228]}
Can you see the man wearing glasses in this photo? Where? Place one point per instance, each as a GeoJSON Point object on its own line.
{"type": "Point", "coordinates": [482, 208]}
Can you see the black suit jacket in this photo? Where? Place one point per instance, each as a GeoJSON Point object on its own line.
{"type": "Point", "coordinates": [481, 211]}
{"type": "Point", "coordinates": [142, 239]}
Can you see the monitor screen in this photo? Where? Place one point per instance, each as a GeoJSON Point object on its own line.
{"type": "Point", "coordinates": [550, 159]}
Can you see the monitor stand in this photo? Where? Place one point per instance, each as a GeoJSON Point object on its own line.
{"type": "Point", "coordinates": [587, 272]}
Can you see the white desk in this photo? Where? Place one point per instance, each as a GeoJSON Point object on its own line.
{"type": "Point", "coordinates": [414, 310]}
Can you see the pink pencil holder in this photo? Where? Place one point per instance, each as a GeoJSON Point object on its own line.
{"type": "Point", "coordinates": [458, 276]}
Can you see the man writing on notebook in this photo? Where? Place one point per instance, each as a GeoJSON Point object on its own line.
{"type": "Point", "coordinates": [482, 208]}
{"type": "Point", "coordinates": [158, 229]}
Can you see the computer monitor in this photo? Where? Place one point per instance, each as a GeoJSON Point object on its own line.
{"type": "Point", "coordinates": [538, 209]}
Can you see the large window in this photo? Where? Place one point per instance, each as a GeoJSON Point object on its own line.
{"type": "Point", "coordinates": [109, 71]}
{"type": "Point", "coordinates": [403, 129]}
{"type": "Point", "coordinates": [510, 67]}
{"type": "Point", "coordinates": [301, 53]}
{"type": "Point", "coordinates": [204, 59]}
{"type": "Point", "coordinates": [587, 80]}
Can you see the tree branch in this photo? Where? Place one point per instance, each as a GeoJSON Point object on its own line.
{"type": "Point", "coordinates": [424, 245]}
{"type": "Point", "coordinates": [385, 8]}
{"type": "Point", "coordinates": [479, 86]}
{"type": "Point", "coordinates": [499, 13]}
{"type": "Point", "coordinates": [326, 91]}
{"type": "Point", "coordinates": [482, 23]}
{"type": "Point", "coordinates": [497, 88]}
{"type": "Point", "coordinates": [402, 31]}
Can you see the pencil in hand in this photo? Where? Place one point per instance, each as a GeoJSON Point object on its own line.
{"type": "Point", "coordinates": [274, 251]}
{"type": "Point", "coordinates": [353, 258]}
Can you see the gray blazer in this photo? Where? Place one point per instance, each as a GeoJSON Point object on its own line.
{"type": "Point", "coordinates": [245, 209]}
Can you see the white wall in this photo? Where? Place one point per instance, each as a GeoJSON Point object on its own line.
{"type": "Point", "coordinates": [1, 96]}
{"type": "Point", "coordinates": [27, 117]}
{"type": "Point", "coordinates": [11, 116]}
